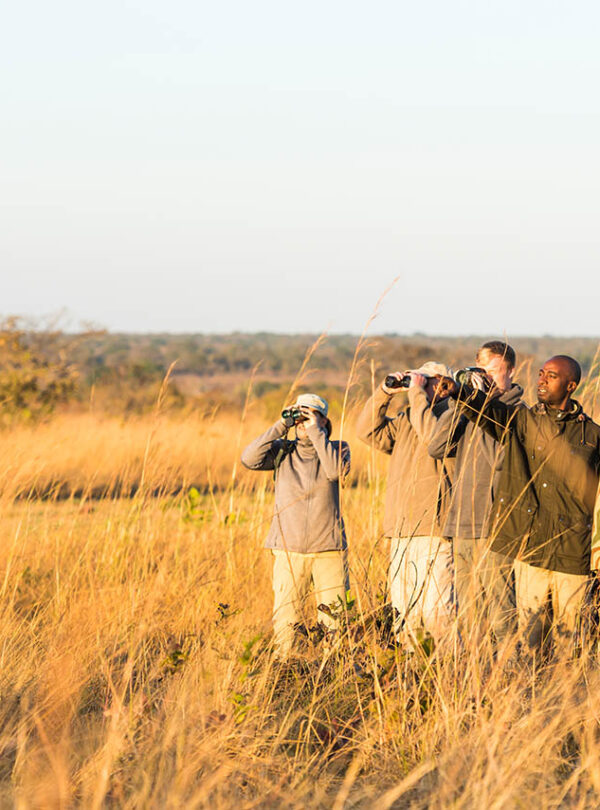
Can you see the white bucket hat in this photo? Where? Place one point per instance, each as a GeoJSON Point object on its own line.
{"type": "Point", "coordinates": [313, 401]}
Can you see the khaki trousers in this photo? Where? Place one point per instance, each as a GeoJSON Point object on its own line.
{"type": "Point", "coordinates": [421, 584]}
{"type": "Point", "coordinates": [485, 591]}
{"type": "Point", "coordinates": [535, 588]}
{"type": "Point", "coordinates": [292, 574]}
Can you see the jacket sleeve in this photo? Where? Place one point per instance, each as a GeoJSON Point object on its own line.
{"type": "Point", "coordinates": [374, 426]}
{"type": "Point", "coordinates": [595, 550]}
{"type": "Point", "coordinates": [450, 429]}
{"type": "Point", "coordinates": [421, 416]}
{"type": "Point", "coordinates": [491, 414]}
{"type": "Point", "coordinates": [333, 456]}
{"type": "Point", "coordinates": [260, 454]}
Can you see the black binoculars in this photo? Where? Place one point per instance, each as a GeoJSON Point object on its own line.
{"type": "Point", "coordinates": [293, 413]}
{"type": "Point", "coordinates": [465, 376]}
{"type": "Point", "coordinates": [394, 382]}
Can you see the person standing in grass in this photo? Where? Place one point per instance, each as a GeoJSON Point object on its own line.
{"type": "Point", "coordinates": [307, 536]}
{"type": "Point", "coordinates": [418, 489]}
{"type": "Point", "coordinates": [483, 579]}
{"type": "Point", "coordinates": [544, 505]}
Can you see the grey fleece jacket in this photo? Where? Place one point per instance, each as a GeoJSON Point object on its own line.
{"type": "Point", "coordinates": [307, 515]}
{"type": "Point", "coordinates": [478, 464]}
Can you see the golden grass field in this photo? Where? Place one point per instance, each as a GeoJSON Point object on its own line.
{"type": "Point", "coordinates": [135, 661]}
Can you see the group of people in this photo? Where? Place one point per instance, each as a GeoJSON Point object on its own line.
{"type": "Point", "coordinates": [489, 506]}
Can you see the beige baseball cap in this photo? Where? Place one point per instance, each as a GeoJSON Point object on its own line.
{"type": "Point", "coordinates": [313, 401]}
{"type": "Point", "coordinates": [431, 369]}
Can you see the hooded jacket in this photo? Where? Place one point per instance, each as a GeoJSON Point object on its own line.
{"type": "Point", "coordinates": [307, 515]}
{"type": "Point", "coordinates": [476, 476]}
{"type": "Point", "coordinates": [418, 486]}
{"type": "Point", "coordinates": [544, 506]}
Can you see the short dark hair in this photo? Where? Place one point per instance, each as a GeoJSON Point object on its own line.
{"type": "Point", "coordinates": [573, 365]}
{"type": "Point", "coordinates": [501, 349]}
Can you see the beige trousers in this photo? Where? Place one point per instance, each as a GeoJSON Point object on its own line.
{"type": "Point", "coordinates": [535, 588]}
{"type": "Point", "coordinates": [484, 590]}
{"type": "Point", "coordinates": [421, 584]}
{"type": "Point", "coordinates": [292, 574]}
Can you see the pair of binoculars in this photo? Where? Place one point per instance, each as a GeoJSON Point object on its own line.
{"type": "Point", "coordinates": [293, 413]}
{"type": "Point", "coordinates": [391, 381]}
{"type": "Point", "coordinates": [465, 376]}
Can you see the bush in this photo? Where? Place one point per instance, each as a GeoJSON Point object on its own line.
{"type": "Point", "coordinates": [34, 373]}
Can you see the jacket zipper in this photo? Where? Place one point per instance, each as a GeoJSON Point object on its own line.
{"type": "Point", "coordinates": [312, 483]}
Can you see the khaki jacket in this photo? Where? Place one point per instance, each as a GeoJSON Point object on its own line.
{"type": "Point", "coordinates": [307, 515]}
{"type": "Point", "coordinates": [418, 486]}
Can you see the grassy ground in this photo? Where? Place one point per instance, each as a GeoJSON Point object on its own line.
{"type": "Point", "coordinates": [135, 668]}
{"type": "Point", "coordinates": [136, 672]}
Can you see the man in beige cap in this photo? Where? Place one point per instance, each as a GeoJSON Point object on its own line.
{"type": "Point", "coordinates": [416, 499]}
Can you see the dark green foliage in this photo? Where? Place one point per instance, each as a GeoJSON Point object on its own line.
{"type": "Point", "coordinates": [36, 374]}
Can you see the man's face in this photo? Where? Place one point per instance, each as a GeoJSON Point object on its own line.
{"type": "Point", "coordinates": [555, 383]}
{"type": "Point", "coordinates": [497, 368]}
{"type": "Point", "coordinates": [436, 389]}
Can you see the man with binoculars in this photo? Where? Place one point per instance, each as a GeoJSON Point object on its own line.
{"type": "Point", "coordinates": [307, 536]}
{"type": "Point", "coordinates": [418, 488]}
{"type": "Point", "coordinates": [544, 504]}
{"type": "Point", "coordinates": [483, 579]}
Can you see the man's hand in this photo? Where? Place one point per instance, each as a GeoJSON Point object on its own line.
{"type": "Point", "coordinates": [312, 417]}
{"type": "Point", "coordinates": [482, 382]}
{"type": "Point", "coordinates": [417, 380]}
{"type": "Point", "coordinates": [398, 375]}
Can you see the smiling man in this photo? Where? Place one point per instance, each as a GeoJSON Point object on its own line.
{"type": "Point", "coordinates": [543, 508]}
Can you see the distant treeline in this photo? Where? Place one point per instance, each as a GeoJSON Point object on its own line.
{"type": "Point", "coordinates": [147, 357]}
{"type": "Point", "coordinates": [41, 369]}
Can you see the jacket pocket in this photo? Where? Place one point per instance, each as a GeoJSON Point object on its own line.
{"type": "Point", "coordinates": [514, 517]}
{"type": "Point", "coordinates": [572, 539]}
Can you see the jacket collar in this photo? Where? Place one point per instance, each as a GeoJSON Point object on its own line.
{"type": "Point", "coordinates": [440, 406]}
{"type": "Point", "coordinates": [305, 447]}
{"type": "Point", "coordinates": [575, 412]}
{"type": "Point", "coordinates": [514, 394]}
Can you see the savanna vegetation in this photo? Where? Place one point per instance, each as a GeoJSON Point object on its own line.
{"type": "Point", "coordinates": [135, 666]}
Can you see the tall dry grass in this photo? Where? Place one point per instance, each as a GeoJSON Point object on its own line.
{"type": "Point", "coordinates": [97, 456]}
{"type": "Point", "coordinates": [135, 667]}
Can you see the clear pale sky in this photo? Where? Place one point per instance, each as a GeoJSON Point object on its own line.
{"type": "Point", "coordinates": [196, 166]}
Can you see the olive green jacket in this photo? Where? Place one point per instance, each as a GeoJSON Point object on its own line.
{"type": "Point", "coordinates": [544, 506]}
{"type": "Point", "coordinates": [418, 486]}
